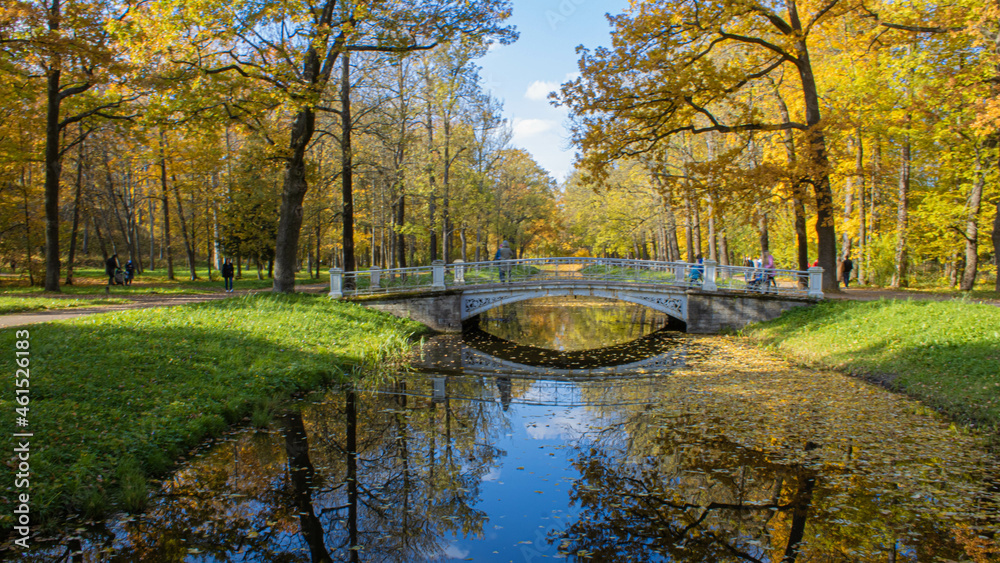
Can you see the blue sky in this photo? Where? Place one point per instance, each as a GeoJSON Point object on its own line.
{"type": "Point", "coordinates": [522, 74]}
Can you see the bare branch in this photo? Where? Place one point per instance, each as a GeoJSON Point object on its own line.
{"type": "Point", "coordinates": [822, 12]}
{"type": "Point", "coordinates": [758, 41]}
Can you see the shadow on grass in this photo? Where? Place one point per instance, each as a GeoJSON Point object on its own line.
{"type": "Point", "coordinates": [947, 354]}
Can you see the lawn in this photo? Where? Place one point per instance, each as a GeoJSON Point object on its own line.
{"type": "Point", "coordinates": [10, 305]}
{"type": "Point", "coordinates": [945, 353]}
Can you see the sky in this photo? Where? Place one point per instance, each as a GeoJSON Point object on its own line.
{"type": "Point", "coordinates": [522, 74]}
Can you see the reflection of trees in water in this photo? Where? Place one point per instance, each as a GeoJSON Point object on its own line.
{"type": "Point", "coordinates": [571, 324]}
{"type": "Point", "coordinates": [419, 466]}
{"type": "Point", "coordinates": [360, 476]}
{"type": "Point", "coordinates": [720, 503]}
{"type": "Point", "coordinates": [664, 484]}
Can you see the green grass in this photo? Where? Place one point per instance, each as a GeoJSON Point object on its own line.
{"type": "Point", "coordinates": [10, 305]}
{"type": "Point", "coordinates": [945, 353]}
{"type": "Point", "coordinates": [116, 398]}
{"type": "Point", "coordinates": [93, 281]}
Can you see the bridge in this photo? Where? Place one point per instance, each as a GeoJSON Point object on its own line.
{"type": "Point", "coordinates": [707, 297]}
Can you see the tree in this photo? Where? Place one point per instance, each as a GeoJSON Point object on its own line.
{"type": "Point", "coordinates": [292, 50]}
{"type": "Point", "coordinates": [68, 43]}
{"type": "Point", "coordinates": [692, 67]}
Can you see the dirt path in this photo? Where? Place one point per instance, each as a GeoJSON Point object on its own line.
{"type": "Point", "coordinates": [136, 302]}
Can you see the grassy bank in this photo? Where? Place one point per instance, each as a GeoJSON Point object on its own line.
{"type": "Point", "coordinates": [945, 353]}
{"type": "Point", "coordinates": [118, 397]}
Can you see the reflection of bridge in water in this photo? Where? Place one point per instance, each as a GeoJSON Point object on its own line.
{"type": "Point", "coordinates": [624, 374]}
{"type": "Point", "coordinates": [488, 354]}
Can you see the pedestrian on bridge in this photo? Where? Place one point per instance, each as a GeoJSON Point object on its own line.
{"type": "Point", "coordinates": [767, 262]}
{"type": "Point", "coordinates": [504, 253]}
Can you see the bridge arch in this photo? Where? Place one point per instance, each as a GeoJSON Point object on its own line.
{"type": "Point", "coordinates": [671, 302]}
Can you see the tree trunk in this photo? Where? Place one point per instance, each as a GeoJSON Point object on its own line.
{"type": "Point", "coordinates": [346, 165]}
{"type": "Point", "coordinates": [400, 236]}
{"type": "Point", "coordinates": [53, 161]}
{"type": "Point", "coordinates": [188, 244]}
{"type": "Point", "coordinates": [826, 232]}
{"type": "Point", "coordinates": [696, 226]}
{"type": "Point", "coordinates": [100, 240]}
{"type": "Point", "coordinates": [859, 173]}
{"type": "Point", "coordinates": [670, 219]}
{"type": "Point", "coordinates": [445, 200]}
{"type": "Point", "coordinates": [798, 194]}
{"type": "Point", "coordinates": [762, 231]}
{"type": "Point", "coordinates": [972, 226]}
{"type": "Point", "coordinates": [957, 265]}
{"type": "Point", "coordinates": [166, 205]}
{"type": "Point", "coordinates": [479, 244]}
{"type": "Point", "coordinates": [902, 219]}
{"type": "Point", "coordinates": [845, 245]}
{"type": "Point", "coordinates": [723, 249]}
{"type": "Point", "coordinates": [27, 231]}
{"type": "Point", "coordinates": [319, 244]}
{"type": "Point", "coordinates": [688, 229]}
{"type": "Point", "coordinates": [712, 239]}
{"type": "Point", "coordinates": [76, 217]}
{"type": "Point", "coordinates": [432, 181]}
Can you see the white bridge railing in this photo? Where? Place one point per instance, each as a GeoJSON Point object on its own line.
{"type": "Point", "coordinates": [708, 276]}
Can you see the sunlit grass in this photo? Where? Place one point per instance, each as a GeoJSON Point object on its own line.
{"type": "Point", "coordinates": [945, 353]}
{"type": "Point", "coordinates": [147, 385]}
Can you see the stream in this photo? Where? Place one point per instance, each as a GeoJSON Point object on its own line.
{"type": "Point", "coordinates": [581, 430]}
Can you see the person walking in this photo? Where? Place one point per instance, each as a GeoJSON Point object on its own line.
{"type": "Point", "coordinates": [227, 274]}
{"type": "Point", "coordinates": [505, 254]}
{"type": "Point", "coordinates": [110, 267]}
{"type": "Point", "coordinates": [698, 270]}
{"type": "Point", "coordinates": [847, 266]}
{"type": "Point", "coordinates": [767, 262]}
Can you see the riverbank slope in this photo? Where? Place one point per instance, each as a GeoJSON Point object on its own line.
{"type": "Point", "coordinates": [944, 353]}
{"type": "Point", "coordinates": [117, 397]}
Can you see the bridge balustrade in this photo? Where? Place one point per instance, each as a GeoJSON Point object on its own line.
{"type": "Point", "coordinates": [708, 276]}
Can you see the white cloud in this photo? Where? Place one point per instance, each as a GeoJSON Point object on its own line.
{"type": "Point", "coordinates": [563, 427]}
{"type": "Point", "coordinates": [527, 128]}
{"type": "Point", "coordinates": [454, 552]}
{"type": "Point", "coordinates": [539, 90]}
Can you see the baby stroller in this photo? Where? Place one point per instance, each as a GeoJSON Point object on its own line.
{"type": "Point", "coordinates": [119, 276]}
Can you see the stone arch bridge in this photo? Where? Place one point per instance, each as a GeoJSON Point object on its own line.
{"type": "Point", "coordinates": [707, 297]}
